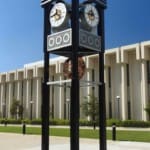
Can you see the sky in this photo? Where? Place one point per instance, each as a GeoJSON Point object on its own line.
{"type": "Point", "coordinates": [21, 29]}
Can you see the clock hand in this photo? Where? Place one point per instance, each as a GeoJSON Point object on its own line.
{"type": "Point", "coordinates": [58, 11]}
{"type": "Point", "coordinates": [54, 14]}
{"type": "Point", "coordinates": [57, 14]}
{"type": "Point", "coordinates": [91, 15]}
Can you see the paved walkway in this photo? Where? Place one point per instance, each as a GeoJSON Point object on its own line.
{"type": "Point", "coordinates": [33, 142]}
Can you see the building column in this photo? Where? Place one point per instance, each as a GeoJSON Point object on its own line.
{"type": "Point", "coordinates": [106, 90]}
{"type": "Point", "coordinates": [18, 90]}
{"type": "Point", "coordinates": [144, 89]}
{"type": "Point", "coordinates": [28, 99]}
{"type": "Point", "coordinates": [2, 98]}
{"type": "Point", "coordinates": [10, 94]}
{"type": "Point", "coordinates": [38, 98]}
{"type": "Point", "coordinates": [88, 73]}
{"type": "Point", "coordinates": [61, 100]}
{"type": "Point", "coordinates": [123, 91]}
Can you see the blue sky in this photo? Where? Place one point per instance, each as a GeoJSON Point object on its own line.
{"type": "Point", "coordinates": [21, 29]}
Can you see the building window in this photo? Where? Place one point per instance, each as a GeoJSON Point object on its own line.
{"type": "Point", "coordinates": [109, 85]}
{"type": "Point", "coordinates": [5, 103]}
{"type": "Point", "coordinates": [93, 79]}
{"type": "Point", "coordinates": [148, 71]}
{"type": "Point", "coordinates": [129, 110]}
{"type": "Point", "coordinates": [110, 109]}
{"type": "Point", "coordinates": [31, 89]}
{"type": "Point", "coordinates": [148, 79]}
{"type": "Point", "coordinates": [65, 102]}
{"type": "Point", "coordinates": [5, 91]}
{"type": "Point", "coordinates": [128, 78]}
{"type": "Point", "coordinates": [53, 98]}
{"type": "Point", "coordinates": [128, 93]}
{"type": "Point", "coordinates": [14, 87]}
{"type": "Point", "coordinates": [22, 87]}
{"type": "Point", "coordinates": [109, 77]}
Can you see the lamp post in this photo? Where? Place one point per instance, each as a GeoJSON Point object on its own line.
{"type": "Point", "coordinates": [68, 107]}
{"type": "Point", "coordinates": [31, 107]}
{"type": "Point", "coordinates": [118, 99]}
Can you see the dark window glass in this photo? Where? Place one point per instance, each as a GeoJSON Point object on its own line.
{"type": "Point", "coordinates": [53, 98]}
{"type": "Point", "coordinates": [13, 89]}
{"type": "Point", "coordinates": [31, 88]}
{"type": "Point", "coordinates": [65, 108]}
{"type": "Point", "coordinates": [110, 110]}
{"type": "Point", "coordinates": [22, 90]}
{"type": "Point", "coordinates": [129, 110]}
{"type": "Point", "coordinates": [109, 77]}
{"type": "Point", "coordinates": [128, 78]}
{"type": "Point", "coordinates": [5, 91]}
{"type": "Point", "coordinates": [148, 71]}
{"type": "Point", "coordinates": [93, 78]}
{"type": "Point", "coordinates": [109, 85]}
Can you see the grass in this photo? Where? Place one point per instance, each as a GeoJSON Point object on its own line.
{"type": "Point", "coordinates": [139, 136]}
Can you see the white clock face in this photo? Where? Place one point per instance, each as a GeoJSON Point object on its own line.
{"type": "Point", "coordinates": [58, 14]}
{"type": "Point", "coordinates": [91, 15]}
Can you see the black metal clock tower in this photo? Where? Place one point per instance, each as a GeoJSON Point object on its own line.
{"type": "Point", "coordinates": [73, 38]}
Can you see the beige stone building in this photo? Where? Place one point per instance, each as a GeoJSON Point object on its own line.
{"type": "Point", "coordinates": [127, 79]}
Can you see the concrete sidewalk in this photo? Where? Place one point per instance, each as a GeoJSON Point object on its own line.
{"type": "Point", "coordinates": [94, 146]}
{"type": "Point", "coordinates": [33, 142]}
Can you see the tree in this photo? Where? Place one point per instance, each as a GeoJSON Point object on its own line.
{"type": "Point", "coordinates": [147, 109]}
{"type": "Point", "coordinates": [90, 107]}
{"type": "Point", "coordinates": [16, 109]}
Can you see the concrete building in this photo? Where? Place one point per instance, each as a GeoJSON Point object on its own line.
{"type": "Point", "coordinates": [127, 79]}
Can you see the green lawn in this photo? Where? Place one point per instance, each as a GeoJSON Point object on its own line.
{"type": "Point", "coordinates": [140, 136]}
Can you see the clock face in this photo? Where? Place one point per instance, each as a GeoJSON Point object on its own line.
{"type": "Point", "coordinates": [91, 15]}
{"type": "Point", "coordinates": [58, 14]}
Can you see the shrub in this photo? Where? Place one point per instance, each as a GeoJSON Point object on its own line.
{"type": "Point", "coordinates": [85, 123]}
{"type": "Point", "coordinates": [59, 122]}
{"type": "Point", "coordinates": [11, 121]}
{"type": "Point", "coordinates": [126, 123]}
{"type": "Point", "coordinates": [110, 122]}
{"type": "Point", "coordinates": [147, 109]}
{"type": "Point", "coordinates": [27, 121]}
{"type": "Point", "coordinates": [35, 122]}
{"type": "Point", "coordinates": [132, 123]}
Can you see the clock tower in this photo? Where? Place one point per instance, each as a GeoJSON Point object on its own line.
{"type": "Point", "coordinates": [74, 30]}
